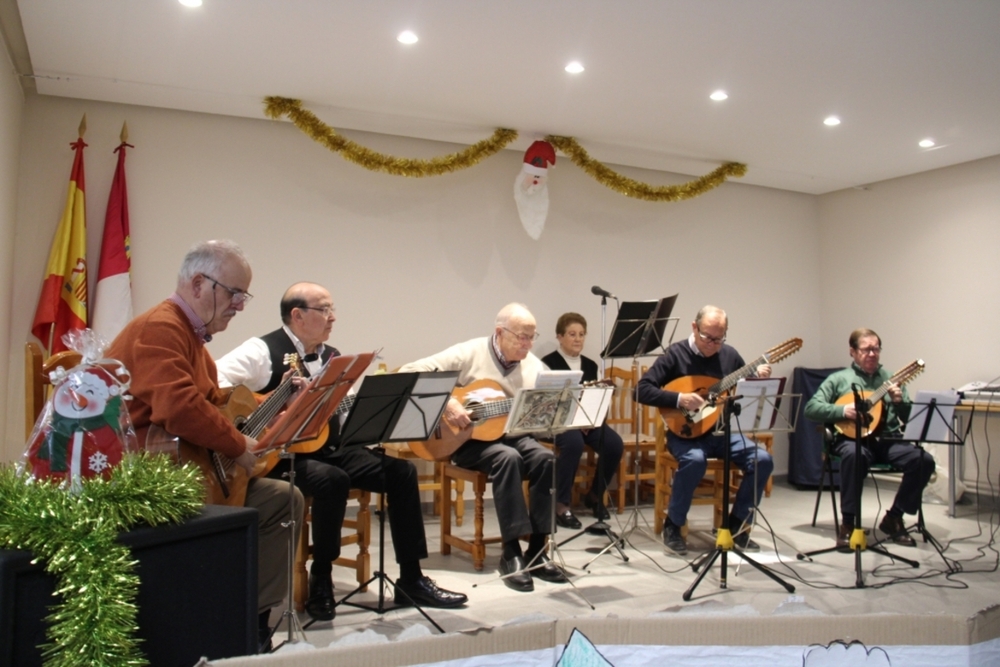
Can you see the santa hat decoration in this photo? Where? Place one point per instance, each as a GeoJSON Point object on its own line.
{"type": "Point", "coordinates": [531, 193]}
{"type": "Point", "coordinates": [538, 157]}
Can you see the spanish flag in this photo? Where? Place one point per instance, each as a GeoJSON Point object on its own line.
{"type": "Point", "coordinates": [113, 296]}
{"type": "Point", "coordinates": [62, 306]}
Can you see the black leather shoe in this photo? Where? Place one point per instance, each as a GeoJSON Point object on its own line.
{"type": "Point", "coordinates": [673, 540]}
{"type": "Point", "coordinates": [844, 537]}
{"type": "Point", "coordinates": [744, 543]}
{"type": "Point", "coordinates": [548, 572]}
{"type": "Point", "coordinates": [519, 580]}
{"type": "Point", "coordinates": [596, 506]}
{"type": "Point", "coordinates": [425, 593]}
{"type": "Point", "coordinates": [320, 604]}
{"type": "Point", "coordinates": [894, 527]}
{"type": "Point", "coordinates": [568, 520]}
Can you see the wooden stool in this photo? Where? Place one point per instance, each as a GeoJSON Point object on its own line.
{"type": "Point", "coordinates": [361, 535]}
{"type": "Point", "coordinates": [477, 547]}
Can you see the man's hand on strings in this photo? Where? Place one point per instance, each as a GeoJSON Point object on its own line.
{"type": "Point", "coordinates": [690, 402]}
{"type": "Point", "coordinates": [456, 414]}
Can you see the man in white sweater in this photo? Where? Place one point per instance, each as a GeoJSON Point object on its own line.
{"type": "Point", "coordinates": [505, 357]}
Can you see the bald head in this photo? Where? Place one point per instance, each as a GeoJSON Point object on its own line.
{"type": "Point", "coordinates": [515, 331]}
{"type": "Point", "coordinates": [307, 309]}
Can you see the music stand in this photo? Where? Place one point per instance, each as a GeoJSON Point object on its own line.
{"type": "Point", "coordinates": [548, 412]}
{"type": "Point", "coordinates": [724, 538]}
{"type": "Point", "coordinates": [930, 421]}
{"type": "Point", "coordinates": [639, 330]}
{"type": "Point", "coordinates": [395, 407]}
{"type": "Point", "coordinates": [303, 420]}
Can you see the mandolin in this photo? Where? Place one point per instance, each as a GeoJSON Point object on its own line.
{"type": "Point", "coordinates": [695, 423]}
{"type": "Point", "coordinates": [871, 419]}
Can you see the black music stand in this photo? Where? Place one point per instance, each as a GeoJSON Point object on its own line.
{"type": "Point", "coordinates": [724, 538]}
{"type": "Point", "coordinates": [303, 420]}
{"type": "Point", "coordinates": [395, 407]}
{"type": "Point", "coordinates": [859, 542]}
{"type": "Point", "coordinates": [637, 332]}
{"type": "Point", "coordinates": [931, 422]}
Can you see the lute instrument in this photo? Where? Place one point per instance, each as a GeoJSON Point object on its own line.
{"type": "Point", "coordinates": [872, 418]}
{"type": "Point", "coordinates": [695, 423]}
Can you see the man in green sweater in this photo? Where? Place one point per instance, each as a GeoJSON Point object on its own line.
{"type": "Point", "coordinates": [867, 374]}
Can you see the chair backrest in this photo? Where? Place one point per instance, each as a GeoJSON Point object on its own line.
{"type": "Point", "coordinates": [36, 379]}
{"type": "Point", "coordinates": [622, 414]}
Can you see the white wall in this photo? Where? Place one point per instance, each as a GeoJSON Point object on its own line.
{"type": "Point", "coordinates": [916, 259]}
{"type": "Point", "coordinates": [11, 107]}
{"type": "Point", "coordinates": [413, 264]}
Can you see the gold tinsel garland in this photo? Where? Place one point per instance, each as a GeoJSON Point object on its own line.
{"type": "Point", "coordinates": [75, 535]}
{"type": "Point", "coordinates": [276, 107]}
{"type": "Point", "coordinates": [637, 189]}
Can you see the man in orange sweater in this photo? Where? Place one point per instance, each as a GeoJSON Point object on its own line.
{"type": "Point", "coordinates": [174, 387]}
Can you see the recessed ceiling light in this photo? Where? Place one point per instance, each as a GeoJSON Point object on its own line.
{"type": "Point", "coordinates": [191, 3]}
{"type": "Point", "coordinates": [574, 67]}
{"type": "Point", "coordinates": [831, 121]}
{"type": "Point", "coordinates": [719, 95]}
{"type": "Point", "coordinates": [407, 37]}
{"type": "Point", "coordinates": [927, 143]}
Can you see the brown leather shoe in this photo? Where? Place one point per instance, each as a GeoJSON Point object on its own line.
{"type": "Point", "coordinates": [893, 526]}
{"type": "Point", "coordinates": [844, 537]}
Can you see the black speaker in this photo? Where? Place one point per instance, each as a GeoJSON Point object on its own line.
{"type": "Point", "coordinates": [197, 592]}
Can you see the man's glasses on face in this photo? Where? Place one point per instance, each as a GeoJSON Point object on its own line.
{"type": "Point", "coordinates": [325, 311]}
{"type": "Point", "coordinates": [711, 339]}
{"type": "Point", "coordinates": [236, 296]}
{"type": "Point", "coordinates": [523, 339]}
{"type": "Point", "coordinates": [869, 350]}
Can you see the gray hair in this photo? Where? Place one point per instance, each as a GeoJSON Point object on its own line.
{"type": "Point", "coordinates": [707, 310]}
{"type": "Point", "coordinates": [509, 311]}
{"type": "Point", "coordinates": [208, 257]}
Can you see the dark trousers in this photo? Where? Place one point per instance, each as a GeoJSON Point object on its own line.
{"type": "Point", "coordinates": [328, 476]}
{"type": "Point", "coordinates": [916, 464]}
{"type": "Point", "coordinates": [569, 445]}
{"type": "Point", "coordinates": [508, 462]}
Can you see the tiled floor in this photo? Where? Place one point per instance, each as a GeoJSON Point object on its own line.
{"type": "Point", "coordinates": [651, 581]}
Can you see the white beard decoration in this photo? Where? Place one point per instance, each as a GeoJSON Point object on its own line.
{"type": "Point", "coordinates": [531, 191]}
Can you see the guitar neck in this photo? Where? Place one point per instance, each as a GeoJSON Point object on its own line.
{"type": "Point", "coordinates": [491, 409]}
{"type": "Point", "coordinates": [728, 382]}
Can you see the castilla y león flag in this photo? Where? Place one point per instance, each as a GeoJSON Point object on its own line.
{"type": "Point", "coordinates": [63, 303]}
{"type": "Point", "coordinates": [113, 298]}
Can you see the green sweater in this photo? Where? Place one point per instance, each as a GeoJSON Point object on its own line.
{"type": "Point", "coordinates": [822, 406]}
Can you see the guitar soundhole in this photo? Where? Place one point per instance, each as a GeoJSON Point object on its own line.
{"type": "Point", "coordinates": [239, 423]}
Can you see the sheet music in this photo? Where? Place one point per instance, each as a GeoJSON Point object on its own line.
{"type": "Point", "coordinates": [593, 407]}
{"type": "Point", "coordinates": [760, 402]}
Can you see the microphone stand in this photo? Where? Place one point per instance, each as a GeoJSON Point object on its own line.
{"type": "Point", "coordinates": [859, 542]}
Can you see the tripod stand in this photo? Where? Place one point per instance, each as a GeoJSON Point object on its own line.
{"type": "Point", "coordinates": [858, 541]}
{"type": "Point", "coordinates": [394, 408]}
{"type": "Point", "coordinates": [724, 538]}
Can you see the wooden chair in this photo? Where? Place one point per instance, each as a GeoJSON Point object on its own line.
{"type": "Point", "coordinates": [360, 535]}
{"type": "Point", "coordinates": [426, 481]}
{"type": "Point", "coordinates": [477, 546]}
{"type": "Point", "coordinates": [712, 486]}
{"type": "Point", "coordinates": [36, 380]}
{"type": "Point", "coordinates": [628, 418]}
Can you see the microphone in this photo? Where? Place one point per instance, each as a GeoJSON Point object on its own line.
{"type": "Point", "coordinates": [602, 292]}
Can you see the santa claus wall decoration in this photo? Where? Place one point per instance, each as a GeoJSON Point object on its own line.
{"type": "Point", "coordinates": [531, 192]}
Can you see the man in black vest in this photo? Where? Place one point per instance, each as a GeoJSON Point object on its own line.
{"type": "Point", "coordinates": [329, 473]}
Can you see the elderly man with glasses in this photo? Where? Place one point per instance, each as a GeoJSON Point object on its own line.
{"type": "Point", "coordinates": [505, 357]}
{"type": "Point", "coordinates": [705, 353]}
{"type": "Point", "coordinates": [307, 316]}
{"type": "Point", "coordinates": [867, 374]}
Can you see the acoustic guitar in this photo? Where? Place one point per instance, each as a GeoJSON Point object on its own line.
{"type": "Point", "coordinates": [695, 423]}
{"type": "Point", "coordinates": [871, 419]}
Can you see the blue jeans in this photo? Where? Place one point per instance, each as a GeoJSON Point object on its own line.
{"type": "Point", "coordinates": [692, 458]}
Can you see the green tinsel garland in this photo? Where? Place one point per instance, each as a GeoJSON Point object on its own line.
{"type": "Point", "coordinates": [75, 535]}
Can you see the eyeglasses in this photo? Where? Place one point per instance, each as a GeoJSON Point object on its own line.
{"type": "Point", "coordinates": [711, 339]}
{"type": "Point", "coordinates": [524, 339]}
{"type": "Point", "coordinates": [326, 311]}
{"type": "Point", "coordinates": [869, 350]}
{"type": "Point", "coordinates": [236, 296]}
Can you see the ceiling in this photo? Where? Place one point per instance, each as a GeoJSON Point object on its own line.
{"type": "Point", "coordinates": [895, 72]}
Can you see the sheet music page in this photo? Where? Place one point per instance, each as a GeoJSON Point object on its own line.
{"type": "Point", "coordinates": [758, 407]}
{"type": "Point", "coordinates": [593, 408]}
